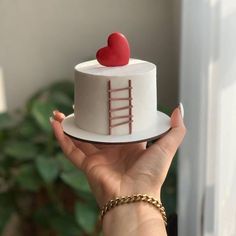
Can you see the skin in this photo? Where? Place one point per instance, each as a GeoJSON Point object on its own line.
{"type": "Point", "coordinates": [121, 170]}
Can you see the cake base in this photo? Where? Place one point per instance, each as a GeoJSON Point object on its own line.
{"type": "Point", "coordinates": [160, 127]}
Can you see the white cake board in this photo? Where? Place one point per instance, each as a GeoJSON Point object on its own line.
{"type": "Point", "coordinates": [160, 127]}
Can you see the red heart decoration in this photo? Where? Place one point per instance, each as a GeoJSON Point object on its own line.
{"type": "Point", "coordinates": [117, 52]}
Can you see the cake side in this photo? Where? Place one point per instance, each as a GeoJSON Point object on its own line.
{"type": "Point", "coordinates": [92, 97]}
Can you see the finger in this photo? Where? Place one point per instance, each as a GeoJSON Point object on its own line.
{"type": "Point", "coordinates": [58, 116]}
{"type": "Point", "coordinates": [143, 145]}
{"type": "Point", "coordinates": [87, 148]}
{"type": "Point", "coordinates": [170, 142]}
{"type": "Point", "coordinates": [71, 151]}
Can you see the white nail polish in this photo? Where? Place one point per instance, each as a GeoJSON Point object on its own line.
{"type": "Point", "coordinates": [181, 109]}
{"type": "Point", "coordinates": [51, 119]}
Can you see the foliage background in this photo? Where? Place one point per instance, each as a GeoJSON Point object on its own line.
{"type": "Point", "coordinates": [38, 185]}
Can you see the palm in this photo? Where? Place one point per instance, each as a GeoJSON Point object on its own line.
{"type": "Point", "coordinates": [116, 170]}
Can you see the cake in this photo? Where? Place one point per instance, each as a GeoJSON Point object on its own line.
{"type": "Point", "coordinates": [115, 100]}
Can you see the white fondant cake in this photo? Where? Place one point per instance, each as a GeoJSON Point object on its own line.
{"type": "Point", "coordinates": [129, 105]}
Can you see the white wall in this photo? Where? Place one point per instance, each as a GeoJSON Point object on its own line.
{"type": "Point", "coordinates": [41, 41]}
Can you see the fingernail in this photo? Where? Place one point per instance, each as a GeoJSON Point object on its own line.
{"type": "Point", "coordinates": [51, 119]}
{"type": "Point", "coordinates": [181, 109]}
{"type": "Point", "coordinates": [73, 106]}
{"type": "Point", "coordinates": [54, 112]}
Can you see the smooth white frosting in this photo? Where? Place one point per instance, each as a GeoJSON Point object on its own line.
{"type": "Point", "coordinates": [91, 95]}
{"type": "Point", "coordinates": [135, 67]}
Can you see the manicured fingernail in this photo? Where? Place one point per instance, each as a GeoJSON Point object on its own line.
{"type": "Point", "coordinates": [51, 119]}
{"type": "Point", "coordinates": [181, 109]}
{"type": "Point", "coordinates": [73, 106]}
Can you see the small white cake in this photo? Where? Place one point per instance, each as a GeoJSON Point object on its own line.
{"type": "Point", "coordinates": [115, 100]}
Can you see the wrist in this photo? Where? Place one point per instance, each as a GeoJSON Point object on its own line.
{"type": "Point", "coordinates": [132, 219]}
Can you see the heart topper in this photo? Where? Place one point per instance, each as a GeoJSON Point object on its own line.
{"type": "Point", "coordinates": [116, 53]}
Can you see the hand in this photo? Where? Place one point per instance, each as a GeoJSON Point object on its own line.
{"type": "Point", "coordinates": [120, 170]}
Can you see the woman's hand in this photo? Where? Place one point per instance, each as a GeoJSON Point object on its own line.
{"type": "Point", "coordinates": [120, 170]}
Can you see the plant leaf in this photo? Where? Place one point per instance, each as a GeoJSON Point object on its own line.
{"type": "Point", "coordinates": [66, 87]}
{"type": "Point", "coordinates": [61, 100]}
{"type": "Point", "coordinates": [65, 164]}
{"type": "Point", "coordinates": [28, 178]}
{"type": "Point", "coordinates": [86, 216]}
{"type": "Point", "coordinates": [5, 215]}
{"type": "Point", "coordinates": [21, 150]}
{"type": "Point", "coordinates": [28, 128]}
{"type": "Point", "coordinates": [50, 217]}
{"type": "Point", "coordinates": [169, 192]}
{"type": "Point", "coordinates": [48, 168]}
{"type": "Point", "coordinates": [41, 111]}
{"type": "Point", "coordinates": [65, 225]}
{"type": "Point", "coordinates": [76, 180]}
{"type": "Point", "coordinates": [6, 121]}
{"type": "Point", "coordinates": [164, 109]}
{"type": "Point", "coordinates": [6, 209]}
{"type": "Point", "coordinates": [43, 214]}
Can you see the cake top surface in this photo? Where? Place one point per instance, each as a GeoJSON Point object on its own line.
{"type": "Point", "coordinates": [135, 67]}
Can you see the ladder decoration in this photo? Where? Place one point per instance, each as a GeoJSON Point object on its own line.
{"type": "Point", "coordinates": [128, 107]}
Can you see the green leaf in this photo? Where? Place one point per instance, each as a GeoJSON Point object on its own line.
{"type": "Point", "coordinates": [28, 128]}
{"type": "Point", "coordinates": [44, 214]}
{"type": "Point", "coordinates": [169, 189]}
{"type": "Point", "coordinates": [28, 178]}
{"type": "Point", "coordinates": [21, 150]}
{"type": "Point", "coordinates": [76, 180]}
{"type": "Point", "coordinates": [2, 157]}
{"type": "Point", "coordinates": [6, 209]}
{"type": "Point", "coordinates": [164, 109]}
{"type": "Point", "coordinates": [5, 215]}
{"type": "Point", "coordinates": [65, 164]}
{"type": "Point", "coordinates": [47, 168]}
{"type": "Point", "coordinates": [2, 171]}
{"type": "Point", "coordinates": [66, 87]}
{"type": "Point", "coordinates": [62, 94]}
{"type": "Point", "coordinates": [86, 216]}
{"type": "Point", "coordinates": [65, 225]}
{"type": "Point", "coordinates": [61, 99]}
{"type": "Point", "coordinates": [7, 163]}
{"type": "Point", "coordinates": [60, 221]}
{"type": "Point", "coordinates": [41, 111]}
{"type": "Point", "coordinates": [169, 201]}
{"type": "Point", "coordinates": [6, 121]}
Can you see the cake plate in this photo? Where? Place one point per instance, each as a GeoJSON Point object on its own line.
{"type": "Point", "coordinates": [159, 128]}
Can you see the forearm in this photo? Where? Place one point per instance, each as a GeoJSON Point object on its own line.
{"type": "Point", "coordinates": [134, 219]}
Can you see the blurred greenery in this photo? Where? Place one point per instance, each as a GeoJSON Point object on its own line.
{"type": "Point", "coordinates": [169, 189]}
{"type": "Point", "coordinates": [37, 183]}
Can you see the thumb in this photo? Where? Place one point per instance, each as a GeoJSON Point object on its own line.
{"type": "Point", "coordinates": [170, 142]}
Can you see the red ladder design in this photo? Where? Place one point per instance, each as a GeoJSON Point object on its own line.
{"type": "Point", "coordinates": [128, 107]}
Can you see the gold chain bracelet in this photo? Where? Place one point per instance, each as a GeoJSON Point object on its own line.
{"type": "Point", "coordinates": [134, 198]}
